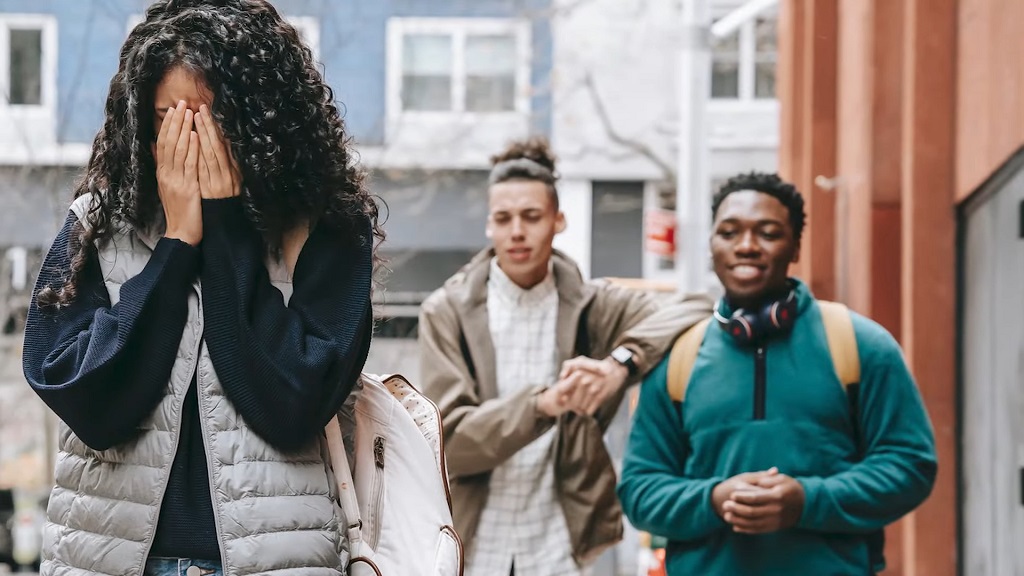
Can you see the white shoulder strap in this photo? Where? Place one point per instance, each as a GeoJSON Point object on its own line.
{"type": "Point", "coordinates": [343, 476]}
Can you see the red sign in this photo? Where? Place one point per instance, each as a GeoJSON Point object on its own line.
{"type": "Point", "coordinates": [660, 232]}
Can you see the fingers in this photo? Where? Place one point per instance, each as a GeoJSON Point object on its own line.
{"type": "Point", "coordinates": [204, 174]}
{"type": "Point", "coordinates": [755, 497]}
{"type": "Point", "coordinates": [224, 161]}
{"type": "Point", "coordinates": [583, 363]}
{"type": "Point", "coordinates": [172, 137]}
{"type": "Point", "coordinates": [184, 137]}
{"type": "Point", "coordinates": [569, 388]}
{"type": "Point", "coordinates": [207, 138]}
{"type": "Point", "coordinates": [742, 511]}
{"type": "Point", "coordinates": [192, 158]}
{"type": "Point", "coordinates": [773, 481]}
{"type": "Point", "coordinates": [597, 394]}
{"type": "Point", "coordinates": [161, 137]}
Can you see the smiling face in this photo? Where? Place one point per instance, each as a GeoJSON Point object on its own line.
{"type": "Point", "coordinates": [522, 225]}
{"type": "Point", "coordinates": [752, 246]}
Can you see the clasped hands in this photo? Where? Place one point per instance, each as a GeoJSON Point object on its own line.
{"type": "Point", "coordinates": [584, 384]}
{"type": "Point", "coordinates": [759, 502]}
{"type": "Point", "coordinates": [193, 162]}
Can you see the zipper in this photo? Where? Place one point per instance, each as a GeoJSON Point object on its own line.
{"type": "Point", "coordinates": [760, 386]}
{"type": "Point", "coordinates": [378, 491]}
{"type": "Point", "coordinates": [206, 441]}
{"type": "Point", "coordinates": [177, 434]}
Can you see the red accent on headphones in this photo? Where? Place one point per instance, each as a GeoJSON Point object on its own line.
{"type": "Point", "coordinates": [775, 317]}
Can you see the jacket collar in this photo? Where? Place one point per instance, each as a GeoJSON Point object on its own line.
{"type": "Point", "coordinates": [803, 294]}
{"type": "Point", "coordinates": [468, 292]}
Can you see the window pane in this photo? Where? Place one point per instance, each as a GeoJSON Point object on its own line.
{"type": "Point", "coordinates": [725, 79]}
{"type": "Point", "coordinates": [427, 72]}
{"type": "Point", "coordinates": [490, 94]}
{"type": "Point", "coordinates": [426, 93]}
{"type": "Point", "coordinates": [490, 55]}
{"type": "Point", "coordinates": [764, 85]}
{"type": "Point", "coordinates": [26, 81]}
{"type": "Point", "coordinates": [490, 73]}
{"type": "Point", "coordinates": [725, 69]}
{"type": "Point", "coordinates": [427, 54]}
{"type": "Point", "coordinates": [765, 34]}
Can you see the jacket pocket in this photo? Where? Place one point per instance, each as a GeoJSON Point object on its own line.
{"type": "Point", "coordinates": [449, 559]}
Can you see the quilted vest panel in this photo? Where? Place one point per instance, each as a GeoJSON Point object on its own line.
{"type": "Point", "coordinates": [273, 511]}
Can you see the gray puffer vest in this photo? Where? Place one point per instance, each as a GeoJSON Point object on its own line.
{"type": "Point", "coordinates": [274, 512]}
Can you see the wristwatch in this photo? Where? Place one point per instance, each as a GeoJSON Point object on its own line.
{"type": "Point", "coordinates": [624, 356]}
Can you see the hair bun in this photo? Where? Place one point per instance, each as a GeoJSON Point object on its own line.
{"type": "Point", "coordinates": [536, 148]}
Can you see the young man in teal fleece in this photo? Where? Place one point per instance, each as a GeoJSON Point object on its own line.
{"type": "Point", "coordinates": [765, 467]}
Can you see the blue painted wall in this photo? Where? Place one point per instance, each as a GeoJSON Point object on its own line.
{"type": "Point", "coordinates": [352, 48]}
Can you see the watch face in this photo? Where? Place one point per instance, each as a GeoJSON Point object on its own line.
{"type": "Point", "coordinates": [622, 355]}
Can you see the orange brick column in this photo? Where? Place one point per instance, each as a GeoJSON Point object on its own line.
{"type": "Point", "coordinates": [929, 256]}
{"type": "Point", "coordinates": [807, 89]}
{"type": "Point", "coordinates": [868, 216]}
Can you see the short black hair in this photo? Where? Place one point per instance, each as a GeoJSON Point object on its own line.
{"type": "Point", "coordinates": [771, 185]}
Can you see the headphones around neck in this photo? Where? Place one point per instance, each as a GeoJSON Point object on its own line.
{"type": "Point", "coordinates": [776, 317]}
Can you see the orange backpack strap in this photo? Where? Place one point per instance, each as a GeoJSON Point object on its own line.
{"type": "Point", "coordinates": [683, 357]}
{"type": "Point", "coordinates": [842, 342]}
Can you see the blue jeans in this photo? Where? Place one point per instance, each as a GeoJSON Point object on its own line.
{"type": "Point", "coordinates": [181, 566]}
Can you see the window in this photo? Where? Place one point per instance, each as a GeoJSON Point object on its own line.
{"type": "Point", "coordinates": [427, 72]}
{"type": "Point", "coordinates": [765, 57]}
{"type": "Point", "coordinates": [27, 61]}
{"type": "Point", "coordinates": [458, 66]}
{"type": "Point", "coordinates": [725, 67]}
{"type": "Point", "coordinates": [743, 64]}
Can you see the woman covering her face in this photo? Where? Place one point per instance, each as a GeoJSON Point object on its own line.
{"type": "Point", "coordinates": [205, 309]}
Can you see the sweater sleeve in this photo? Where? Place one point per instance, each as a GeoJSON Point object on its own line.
{"type": "Point", "coordinates": [899, 465]}
{"type": "Point", "coordinates": [656, 495]}
{"type": "Point", "coordinates": [82, 359]}
{"type": "Point", "coordinates": [286, 368]}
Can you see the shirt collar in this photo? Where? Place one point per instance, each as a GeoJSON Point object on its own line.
{"type": "Point", "coordinates": [499, 284]}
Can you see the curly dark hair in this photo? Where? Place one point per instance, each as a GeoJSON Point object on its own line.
{"type": "Point", "coordinates": [536, 149]}
{"type": "Point", "coordinates": [769, 184]}
{"type": "Point", "coordinates": [271, 103]}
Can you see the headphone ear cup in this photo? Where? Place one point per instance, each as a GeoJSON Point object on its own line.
{"type": "Point", "coordinates": [782, 314]}
{"type": "Point", "coordinates": [743, 328]}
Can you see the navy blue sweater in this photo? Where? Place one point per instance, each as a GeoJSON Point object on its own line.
{"type": "Point", "coordinates": [286, 369]}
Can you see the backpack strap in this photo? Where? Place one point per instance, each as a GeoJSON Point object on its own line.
{"type": "Point", "coordinates": [683, 357]}
{"type": "Point", "coordinates": [842, 342]}
{"type": "Point", "coordinates": [343, 477]}
{"type": "Point", "coordinates": [842, 345]}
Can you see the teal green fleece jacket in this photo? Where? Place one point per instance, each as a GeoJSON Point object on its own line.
{"type": "Point", "coordinates": [857, 477]}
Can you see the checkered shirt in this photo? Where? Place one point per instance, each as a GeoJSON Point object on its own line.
{"type": "Point", "coordinates": [522, 523]}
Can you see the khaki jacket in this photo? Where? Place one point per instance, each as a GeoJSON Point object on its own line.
{"type": "Point", "coordinates": [482, 430]}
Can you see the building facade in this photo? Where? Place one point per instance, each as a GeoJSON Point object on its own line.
{"type": "Point", "coordinates": [902, 122]}
{"type": "Point", "coordinates": [430, 89]}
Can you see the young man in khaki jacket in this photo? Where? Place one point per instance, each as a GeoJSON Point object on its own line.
{"type": "Point", "coordinates": [528, 364]}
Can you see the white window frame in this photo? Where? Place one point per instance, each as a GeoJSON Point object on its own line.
{"type": "Point", "coordinates": [747, 98]}
{"type": "Point", "coordinates": [47, 24]}
{"type": "Point", "coordinates": [307, 26]}
{"type": "Point", "coordinates": [458, 29]}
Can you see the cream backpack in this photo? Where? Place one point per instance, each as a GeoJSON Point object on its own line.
{"type": "Point", "coordinates": [394, 494]}
{"type": "Point", "coordinates": [397, 504]}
